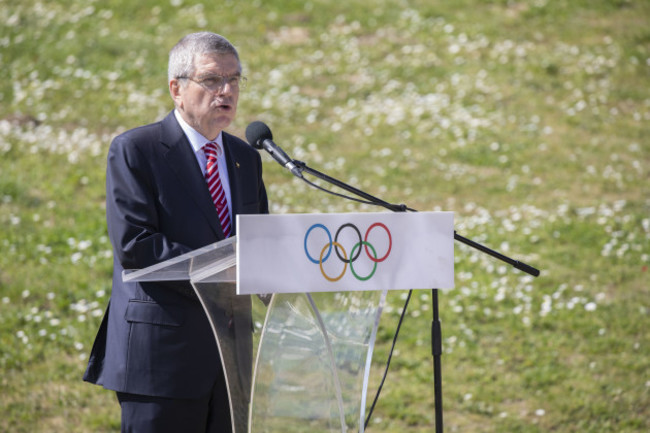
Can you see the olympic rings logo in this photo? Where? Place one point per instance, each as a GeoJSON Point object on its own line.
{"type": "Point", "coordinates": [341, 253]}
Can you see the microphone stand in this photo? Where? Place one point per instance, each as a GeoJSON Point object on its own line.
{"type": "Point", "coordinates": [436, 330]}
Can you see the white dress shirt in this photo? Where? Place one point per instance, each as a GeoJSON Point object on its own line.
{"type": "Point", "coordinates": [198, 141]}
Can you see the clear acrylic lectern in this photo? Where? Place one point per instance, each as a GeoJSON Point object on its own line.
{"type": "Point", "coordinates": [312, 359]}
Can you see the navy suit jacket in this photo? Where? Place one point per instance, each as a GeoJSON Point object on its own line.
{"type": "Point", "coordinates": [155, 338]}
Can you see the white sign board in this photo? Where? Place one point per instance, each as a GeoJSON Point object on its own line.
{"type": "Point", "coordinates": [344, 252]}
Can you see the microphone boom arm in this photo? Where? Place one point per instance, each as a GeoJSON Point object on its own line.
{"type": "Point", "coordinates": [373, 200]}
{"type": "Point", "coordinates": [302, 167]}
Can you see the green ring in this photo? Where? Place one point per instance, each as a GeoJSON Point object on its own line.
{"type": "Point", "coordinates": [374, 268]}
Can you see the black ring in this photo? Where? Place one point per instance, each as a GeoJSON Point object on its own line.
{"type": "Point", "coordinates": [336, 238]}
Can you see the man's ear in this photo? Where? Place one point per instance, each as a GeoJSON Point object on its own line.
{"type": "Point", "coordinates": [175, 92]}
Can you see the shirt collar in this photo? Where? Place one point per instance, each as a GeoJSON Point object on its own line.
{"type": "Point", "coordinates": [196, 139]}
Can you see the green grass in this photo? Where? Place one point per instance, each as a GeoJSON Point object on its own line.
{"type": "Point", "coordinates": [527, 119]}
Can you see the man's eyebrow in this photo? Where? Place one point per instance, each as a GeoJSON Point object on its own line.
{"type": "Point", "coordinates": [236, 74]}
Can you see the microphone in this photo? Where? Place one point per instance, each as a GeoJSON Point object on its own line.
{"type": "Point", "coordinates": [260, 137]}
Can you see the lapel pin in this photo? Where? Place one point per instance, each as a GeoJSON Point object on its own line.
{"type": "Point", "coordinates": [237, 164]}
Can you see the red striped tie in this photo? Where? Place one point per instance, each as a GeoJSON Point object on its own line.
{"type": "Point", "coordinates": [216, 189]}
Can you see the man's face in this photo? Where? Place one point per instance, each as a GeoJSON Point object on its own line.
{"type": "Point", "coordinates": [207, 103]}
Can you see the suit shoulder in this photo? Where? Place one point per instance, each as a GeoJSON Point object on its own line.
{"type": "Point", "coordinates": [238, 145]}
{"type": "Point", "coordinates": [141, 140]}
{"type": "Point", "coordinates": [140, 134]}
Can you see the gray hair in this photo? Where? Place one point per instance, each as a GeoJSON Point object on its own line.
{"type": "Point", "coordinates": [181, 57]}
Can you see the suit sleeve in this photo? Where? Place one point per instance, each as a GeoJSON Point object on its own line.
{"type": "Point", "coordinates": [131, 208]}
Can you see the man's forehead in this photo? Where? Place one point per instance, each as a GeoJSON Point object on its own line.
{"type": "Point", "coordinates": [217, 62]}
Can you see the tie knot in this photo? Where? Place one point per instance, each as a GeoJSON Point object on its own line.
{"type": "Point", "coordinates": [211, 150]}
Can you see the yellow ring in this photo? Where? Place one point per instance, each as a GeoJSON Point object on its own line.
{"type": "Point", "coordinates": [345, 267]}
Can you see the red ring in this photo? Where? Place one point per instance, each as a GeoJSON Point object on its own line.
{"type": "Point", "coordinates": [390, 243]}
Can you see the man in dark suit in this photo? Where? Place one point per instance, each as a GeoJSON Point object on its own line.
{"type": "Point", "coordinates": [155, 347]}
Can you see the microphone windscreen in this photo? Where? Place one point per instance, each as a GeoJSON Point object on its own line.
{"type": "Point", "coordinates": [257, 132]}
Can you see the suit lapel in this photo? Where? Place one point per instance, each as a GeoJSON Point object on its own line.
{"type": "Point", "coordinates": [233, 179]}
{"type": "Point", "coordinates": [182, 160]}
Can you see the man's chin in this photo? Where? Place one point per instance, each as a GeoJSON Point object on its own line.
{"type": "Point", "coordinates": [218, 125]}
{"type": "Point", "coordinates": [224, 121]}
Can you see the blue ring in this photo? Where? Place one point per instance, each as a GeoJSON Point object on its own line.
{"type": "Point", "coordinates": [329, 235]}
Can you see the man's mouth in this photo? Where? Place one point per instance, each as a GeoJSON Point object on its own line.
{"type": "Point", "coordinates": [223, 106]}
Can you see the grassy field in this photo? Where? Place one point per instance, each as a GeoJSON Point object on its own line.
{"type": "Point", "coordinates": [528, 119]}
